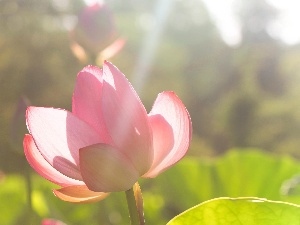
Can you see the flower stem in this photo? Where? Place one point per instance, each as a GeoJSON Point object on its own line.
{"type": "Point", "coordinates": [29, 191]}
{"type": "Point", "coordinates": [135, 209]}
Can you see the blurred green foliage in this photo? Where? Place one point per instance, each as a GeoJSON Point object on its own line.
{"type": "Point", "coordinates": [241, 96]}
{"type": "Point", "coordinates": [236, 174]}
{"type": "Point", "coordinates": [239, 173]}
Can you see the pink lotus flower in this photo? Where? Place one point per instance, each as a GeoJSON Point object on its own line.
{"type": "Point", "coordinates": [108, 140]}
{"type": "Point", "coordinates": [52, 222]}
{"type": "Point", "coordinates": [96, 33]}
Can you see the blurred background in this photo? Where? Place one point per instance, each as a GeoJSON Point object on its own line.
{"type": "Point", "coordinates": [235, 65]}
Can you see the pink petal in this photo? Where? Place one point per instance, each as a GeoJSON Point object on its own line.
{"type": "Point", "coordinates": [52, 222]}
{"type": "Point", "coordinates": [79, 52]}
{"type": "Point", "coordinates": [163, 138]}
{"type": "Point", "coordinates": [79, 194]}
{"type": "Point", "coordinates": [111, 50]}
{"type": "Point", "coordinates": [59, 135]}
{"type": "Point", "coordinates": [172, 131]}
{"type": "Point", "coordinates": [126, 118]}
{"type": "Point", "coordinates": [42, 167]}
{"type": "Point", "coordinates": [87, 100]}
{"type": "Point", "coordinates": [106, 169]}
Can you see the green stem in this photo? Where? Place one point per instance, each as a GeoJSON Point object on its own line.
{"type": "Point", "coordinates": [31, 216]}
{"type": "Point", "coordinates": [29, 191]}
{"type": "Point", "coordinates": [132, 207]}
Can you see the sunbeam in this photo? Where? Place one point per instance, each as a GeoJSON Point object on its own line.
{"type": "Point", "coordinates": [151, 43]}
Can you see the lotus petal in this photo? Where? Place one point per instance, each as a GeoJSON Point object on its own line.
{"type": "Point", "coordinates": [106, 169]}
{"type": "Point", "coordinates": [59, 135]}
{"type": "Point", "coordinates": [172, 127]}
{"type": "Point", "coordinates": [41, 166]}
{"type": "Point", "coordinates": [79, 194]}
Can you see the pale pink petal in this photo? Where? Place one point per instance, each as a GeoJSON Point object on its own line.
{"type": "Point", "coordinates": [59, 135]}
{"type": "Point", "coordinates": [126, 118]}
{"type": "Point", "coordinates": [106, 169]}
{"type": "Point", "coordinates": [42, 167]}
{"type": "Point", "coordinates": [163, 138]}
{"type": "Point", "coordinates": [87, 96]}
{"type": "Point", "coordinates": [52, 222]}
{"type": "Point", "coordinates": [111, 50]}
{"type": "Point", "coordinates": [79, 52]}
{"type": "Point", "coordinates": [172, 131]}
{"type": "Point", "coordinates": [79, 194]}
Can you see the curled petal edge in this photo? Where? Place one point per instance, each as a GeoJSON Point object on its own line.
{"type": "Point", "coordinates": [170, 107]}
{"type": "Point", "coordinates": [42, 167]}
{"type": "Point", "coordinates": [79, 194]}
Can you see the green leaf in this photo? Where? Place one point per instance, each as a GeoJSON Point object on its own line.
{"type": "Point", "coordinates": [240, 211]}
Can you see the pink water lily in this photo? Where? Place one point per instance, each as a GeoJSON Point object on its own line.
{"type": "Point", "coordinates": [52, 222]}
{"type": "Point", "coordinates": [96, 33]}
{"type": "Point", "coordinates": [108, 140]}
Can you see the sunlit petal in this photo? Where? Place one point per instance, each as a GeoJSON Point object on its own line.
{"type": "Point", "coordinates": [172, 131]}
{"type": "Point", "coordinates": [163, 139]}
{"type": "Point", "coordinates": [41, 166]}
{"type": "Point", "coordinates": [106, 169]}
{"type": "Point", "coordinates": [126, 118]}
{"type": "Point", "coordinates": [79, 194]}
{"type": "Point", "coordinates": [59, 135]}
{"type": "Point", "coordinates": [79, 52]}
{"type": "Point", "coordinates": [87, 96]}
{"type": "Point", "coordinates": [111, 50]}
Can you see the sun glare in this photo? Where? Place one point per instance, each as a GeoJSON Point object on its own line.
{"type": "Point", "coordinates": [223, 16]}
{"type": "Point", "coordinates": [91, 2]}
{"type": "Point", "coordinates": [285, 28]}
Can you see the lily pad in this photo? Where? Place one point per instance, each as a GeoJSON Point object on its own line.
{"type": "Point", "coordinates": [240, 211]}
